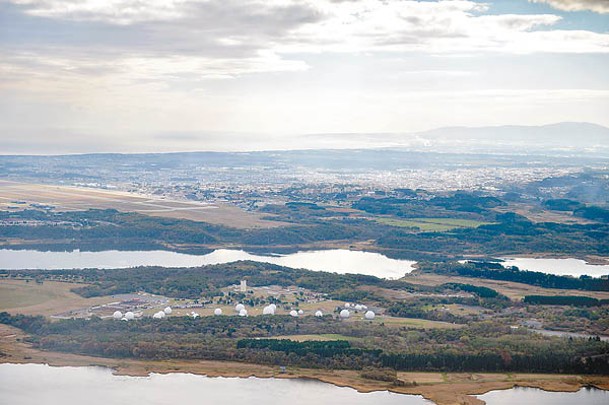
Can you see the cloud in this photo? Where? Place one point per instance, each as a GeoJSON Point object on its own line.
{"type": "Point", "coordinates": [598, 6]}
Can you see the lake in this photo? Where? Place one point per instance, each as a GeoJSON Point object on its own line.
{"type": "Point", "coordinates": [336, 260]}
{"type": "Point", "coordinates": [35, 384]}
{"type": "Point", "coordinates": [559, 267]}
{"type": "Point", "coordinates": [519, 395]}
{"type": "Point", "coordinates": [98, 386]}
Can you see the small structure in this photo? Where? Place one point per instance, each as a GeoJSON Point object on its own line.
{"type": "Point", "coordinates": [243, 286]}
{"type": "Point", "coordinates": [319, 314]}
{"type": "Point", "coordinates": [217, 311]}
{"type": "Point", "coordinates": [294, 313]}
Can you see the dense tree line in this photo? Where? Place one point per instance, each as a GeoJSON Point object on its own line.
{"type": "Point", "coordinates": [575, 301]}
{"type": "Point", "coordinates": [491, 361]}
{"type": "Point", "coordinates": [494, 271]}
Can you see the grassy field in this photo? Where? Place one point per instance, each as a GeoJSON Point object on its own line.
{"type": "Point", "coordinates": [18, 296]}
{"type": "Point", "coordinates": [67, 198]}
{"type": "Point", "coordinates": [431, 224]}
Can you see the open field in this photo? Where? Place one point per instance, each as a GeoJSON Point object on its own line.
{"type": "Point", "coordinates": [513, 290]}
{"type": "Point", "coordinates": [15, 195]}
{"type": "Point", "coordinates": [431, 224]}
{"type": "Point", "coordinates": [538, 214]}
{"type": "Point", "coordinates": [49, 298]}
{"type": "Point", "coordinates": [441, 388]}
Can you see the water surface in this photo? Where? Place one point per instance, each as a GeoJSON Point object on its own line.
{"type": "Point", "coordinates": [336, 260]}
{"type": "Point", "coordinates": [559, 267]}
{"type": "Point", "coordinates": [518, 395]}
{"type": "Point", "coordinates": [35, 384]}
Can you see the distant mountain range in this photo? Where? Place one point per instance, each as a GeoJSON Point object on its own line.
{"type": "Point", "coordinates": [565, 137]}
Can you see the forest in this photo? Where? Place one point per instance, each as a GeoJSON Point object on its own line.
{"type": "Point", "coordinates": [499, 233]}
{"type": "Point", "coordinates": [479, 347]}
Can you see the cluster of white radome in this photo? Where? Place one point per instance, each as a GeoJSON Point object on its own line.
{"type": "Point", "coordinates": [272, 308]}
{"type": "Point", "coordinates": [128, 316]}
{"type": "Point", "coordinates": [163, 313]}
{"type": "Point", "coordinates": [345, 313]}
{"type": "Point", "coordinates": [267, 310]}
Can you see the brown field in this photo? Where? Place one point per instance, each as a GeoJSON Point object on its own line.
{"type": "Point", "coordinates": [441, 388]}
{"type": "Point", "coordinates": [18, 296]}
{"type": "Point", "coordinates": [515, 291]}
{"type": "Point", "coordinates": [68, 198]}
{"type": "Point", "coordinates": [538, 214]}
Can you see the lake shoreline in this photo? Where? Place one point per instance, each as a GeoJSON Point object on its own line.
{"type": "Point", "coordinates": [440, 388]}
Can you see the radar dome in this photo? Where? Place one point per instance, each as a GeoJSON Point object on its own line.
{"type": "Point", "coordinates": [117, 315]}
{"type": "Point", "coordinates": [217, 311]}
{"type": "Point", "coordinates": [369, 315]}
{"type": "Point", "coordinates": [344, 314]}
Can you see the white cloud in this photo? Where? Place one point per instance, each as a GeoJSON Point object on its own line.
{"type": "Point", "coordinates": [598, 6]}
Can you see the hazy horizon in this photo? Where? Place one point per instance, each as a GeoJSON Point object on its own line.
{"type": "Point", "coordinates": [175, 75]}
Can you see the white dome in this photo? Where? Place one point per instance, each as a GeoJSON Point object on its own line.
{"type": "Point", "coordinates": [168, 310]}
{"type": "Point", "coordinates": [344, 314]}
{"type": "Point", "coordinates": [294, 313]}
{"type": "Point", "coordinates": [239, 307]}
{"type": "Point", "coordinates": [358, 307]}
{"type": "Point", "coordinates": [369, 315]}
{"type": "Point", "coordinates": [243, 312]}
{"type": "Point", "coordinates": [124, 319]}
{"type": "Point", "coordinates": [217, 311]}
{"type": "Point", "coordinates": [129, 315]}
{"type": "Point", "coordinates": [300, 312]}
{"type": "Point", "coordinates": [117, 315]}
{"type": "Point", "coordinates": [268, 310]}
{"type": "Point", "coordinates": [347, 305]}
{"type": "Point", "coordinates": [319, 314]}
{"type": "Point", "coordinates": [159, 315]}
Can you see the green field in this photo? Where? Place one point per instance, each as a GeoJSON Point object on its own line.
{"type": "Point", "coordinates": [432, 224]}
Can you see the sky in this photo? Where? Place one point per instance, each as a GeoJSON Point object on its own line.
{"type": "Point", "coordinates": [171, 75]}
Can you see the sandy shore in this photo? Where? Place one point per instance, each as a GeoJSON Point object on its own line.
{"type": "Point", "coordinates": [441, 388]}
